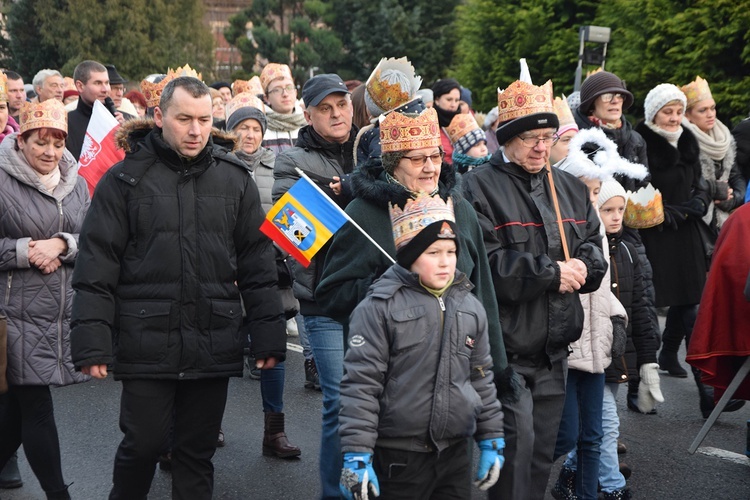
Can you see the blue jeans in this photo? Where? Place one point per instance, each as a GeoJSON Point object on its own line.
{"type": "Point", "coordinates": [272, 389]}
{"type": "Point", "coordinates": [581, 428]}
{"type": "Point", "coordinates": [610, 478]}
{"type": "Point", "coordinates": [327, 341]}
{"type": "Point", "coordinates": [303, 340]}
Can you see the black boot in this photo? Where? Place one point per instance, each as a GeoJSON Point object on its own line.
{"type": "Point", "coordinates": [706, 394]}
{"type": "Point", "coordinates": [668, 362]}
{"type": "Point", "coordinates": [312, 381]}
{"type": "Point", "coordinates": [632, 400]}
{"type": "Point", "coordinates": [623, 494]}
{"type": "Point", "coordinates": [565, 487]}
{"type": "Point", "coordinates": [275, 442]}
{"type": "Point", "coordinates": [59, 494]}
{"type": "Point", "coordinates": [10, 476]}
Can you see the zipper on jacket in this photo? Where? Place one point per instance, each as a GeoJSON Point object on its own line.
{"type": "Point", "coordinates": [63, 282]}
{"type": "Point", "coordinates": [7, 292]}
{"type": "Point", "coordinates": [60, 211]}
{"type": "Point", "coordinates": [442, 304]}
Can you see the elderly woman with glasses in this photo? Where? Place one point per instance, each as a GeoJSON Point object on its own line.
{"type": "Point", "coordinates": [411, 162]}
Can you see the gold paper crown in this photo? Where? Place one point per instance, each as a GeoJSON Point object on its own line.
{"type": "Point", "coordinates": [401, 133]}
{"type": "Point", "coordinates": [462, 124]}
{"type": "Point", "coordinates": [696, 91]}
{"type": "Point", "coordinates": [563, 112]}
{"type": "Point", "coordinates": [417, 214]}
{"type": "Point", "coordinates": [244, 100]}
{"type": "Point", "coordinates": [523, 99]}
{"type": "Point", "coordinates": [273, 71]}
{"type": "Point", "coordinates": [152, 91]}
{"type": "Point", "coordinates": [392, 83]}
{"type": "Point", "coordinates": [3, 87]}
{"type": "Point", "coordinates": [185, 71]}
{"type": "Point", "coordinates": [252, 86]}
{"type": "Point", "coordinates": [48, 114]}
{"type": "Point", "coordinates": [644, 208]}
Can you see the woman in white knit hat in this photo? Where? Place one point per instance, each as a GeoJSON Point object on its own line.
{"type": "Point", "coordinates": [675, 247]}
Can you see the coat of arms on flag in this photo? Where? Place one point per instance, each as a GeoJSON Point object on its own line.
{"type": "Point", "coordinates": [99, 152]}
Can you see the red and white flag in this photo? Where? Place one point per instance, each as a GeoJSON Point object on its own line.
{"type": "Point", "coordinates": [99, 151]}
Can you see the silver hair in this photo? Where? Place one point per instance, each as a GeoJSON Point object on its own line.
{"type": "Point", "coordinates": [40, 77]}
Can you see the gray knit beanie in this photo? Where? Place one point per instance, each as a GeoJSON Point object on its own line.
{"type": "Point", "coordinates": [659, 96]}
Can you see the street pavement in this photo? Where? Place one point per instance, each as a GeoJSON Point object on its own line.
{"type": "Point", "coordinates": [87, 419]}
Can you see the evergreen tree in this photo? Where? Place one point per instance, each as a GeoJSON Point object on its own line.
{"type": "Point", "coordinates": [28, 51]}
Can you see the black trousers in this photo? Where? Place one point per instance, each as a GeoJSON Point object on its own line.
{"type": "Point", "coordinates": [148, 409]}
{"type": "Point", "coordinates": [411, 475]}
{"type": "Point", "coordinates": [27, 417]}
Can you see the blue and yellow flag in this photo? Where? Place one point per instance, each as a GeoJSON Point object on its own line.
{"type": "Point", "coordinates": [303, 220]}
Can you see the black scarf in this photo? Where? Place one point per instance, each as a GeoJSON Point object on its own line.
{"type": "Point", "coordinates": [445, 117]}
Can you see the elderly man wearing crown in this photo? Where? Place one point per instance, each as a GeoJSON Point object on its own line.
{"type": "Point", "coordinates": [544, 247]}
{"type": "Point", "coordinates": [169, 251]}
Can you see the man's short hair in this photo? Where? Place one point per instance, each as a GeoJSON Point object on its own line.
{"type": "Point", "coordinates": [84, 69]}
{"type": "Point", "coordinates": [12, 75]}
{"type": "Point", "coordinates": [40, 77]}
{"type": "Point", "coordinates": [191, 85]}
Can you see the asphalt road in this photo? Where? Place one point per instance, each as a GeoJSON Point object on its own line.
{"type": "Point", "coordinates": [657, 445]}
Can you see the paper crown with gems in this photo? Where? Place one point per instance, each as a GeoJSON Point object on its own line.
{"type": "Point", "coordinates": [465, 132]}
{"type": "Point", "coordinates": [418, 214]}
{"type": "Point", "coordinates": [564, 115]}
{"type": "Point", "coordinates": [244, 100]}
{"type": "Point", "coordinates": [3, 87]}
{"type": "Point", "coordinates": [696, 91]}
{"type": "Point", "coordinates": [252, 86]}
{"type": "Point", "coordinates": [523, 106]}
{"type": "Point", "coordinates": [152, 91]}
{"type": "Point", "coordinates": [402, 133]}
{"type": "Point", "coordinates": [391, 84]}
{"type": "Point", "coordinates": [274, 71]}
{"type": "Point", "coordinates": [644, 208]}
{"type": "Point", "coordinates": [48, 114]}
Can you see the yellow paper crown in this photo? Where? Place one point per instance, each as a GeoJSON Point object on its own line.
{"type": "Point", "coordinates": [392, 84]}
{"type": "Point", "coordinates": [185, 71]}
{"type": "Point", "coordinates": [563, 112]}
{"type": "Point", "coordinates": [696, 91]}
{"type": "Point", "coordinates": [274, 71]}
{"type": "Point", "coordinates": [417, 214]}
{"type": "Point", "coordinates": [244, 100]}
{"type": "Point", "coordinates": [3, 87]}
{"type": "Point", "coordinates": [523, 99]}
{"type": "Point", "coordinates": [399, 132]}
{"type": "Point", "coordinates": [152, 91]}
{"type": "Point", "coordinates": [252, 86]}
{"type": "Point", "coordinates": [644, 208]}
{"type": "Point", "coordinates": [48, 114]}
{"type": "Point", "coordinates": [462, 124]}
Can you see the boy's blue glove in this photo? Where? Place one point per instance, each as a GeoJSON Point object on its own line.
{"type": "Point", "coordinates": [491, 460]}
{"type": "Point", "coordinates": [358, 478]}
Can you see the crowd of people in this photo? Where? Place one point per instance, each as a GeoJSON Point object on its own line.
{"type": "Point", "coordinates": [522, 259]}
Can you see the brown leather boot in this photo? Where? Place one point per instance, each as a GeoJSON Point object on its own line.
{"type": "Point", "coordinates": [275, 442]}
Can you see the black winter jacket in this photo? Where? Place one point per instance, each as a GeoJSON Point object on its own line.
{"type": "Point", "coordinates": [523, 248]}
{"type": "Point", "coordinates": [167, 250]}
{"type": "Point", "coordinates": [627, 284]}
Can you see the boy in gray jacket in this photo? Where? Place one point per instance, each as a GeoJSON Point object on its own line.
{"type": "Point", "coordinates": [418, 378]}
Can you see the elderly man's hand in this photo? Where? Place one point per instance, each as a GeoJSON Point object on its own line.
{"type": "Point", "coordinates": [570, 279]}
{"type": "Point", "coordinates": [579, 266]}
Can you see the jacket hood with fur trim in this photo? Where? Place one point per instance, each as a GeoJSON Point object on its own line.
{"type": "Point", "coordinates": [134, 131]}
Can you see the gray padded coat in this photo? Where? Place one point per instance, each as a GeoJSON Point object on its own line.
{"type": "Point", "coordinates": [38, 305]}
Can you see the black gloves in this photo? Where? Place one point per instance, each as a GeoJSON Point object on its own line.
{"type": "Point", "coordinates": [694, 207]}
{"type": "Point", "coordinates": [619, 336]}
{"type": "Point", "coordinates": [673, 216]}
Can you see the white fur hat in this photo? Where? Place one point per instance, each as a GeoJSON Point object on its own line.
{"type": "Point", "coordinates": [659, 96]}
{"type": "Point", "coordinates": [604, 163]}
{"type": "Point", "coordinates": [610, 189]}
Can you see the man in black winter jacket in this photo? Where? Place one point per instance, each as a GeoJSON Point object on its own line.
{"type": "Point", "coordinates": [169, 249]}
{"type": "Point", "coordinates": [536, 282]}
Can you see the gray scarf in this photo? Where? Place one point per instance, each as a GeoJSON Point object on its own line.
{"type": "Point", "coordinates": [715, 143]}
{"type": "Point", "coordinates": [284, 123]}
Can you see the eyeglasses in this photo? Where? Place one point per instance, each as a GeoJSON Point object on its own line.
{"type": "Point", "coordinates": [609, 97]}
{"type": "Point", "coordinates": [531, 142]}
{"type": "Point", "coordinates": [419, 161]}
{"type": "Point", "coordinates": [289, 89]}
